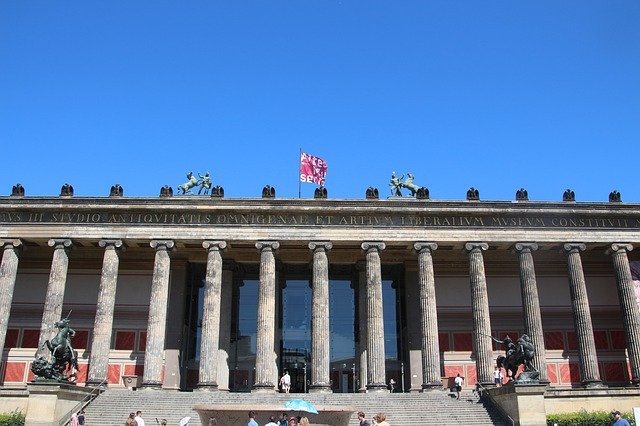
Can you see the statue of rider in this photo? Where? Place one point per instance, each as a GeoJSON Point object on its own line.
{"type": "Point", "coordinates": [510, 347]}
{"type": "Point", "coordinates": [526, 349]}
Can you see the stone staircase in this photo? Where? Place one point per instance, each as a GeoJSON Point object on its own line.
{"type": "Point", "coordinates": [435, 408]}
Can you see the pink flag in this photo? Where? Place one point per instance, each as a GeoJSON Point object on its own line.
{"type": "Point", "coordinates": [312, 169]}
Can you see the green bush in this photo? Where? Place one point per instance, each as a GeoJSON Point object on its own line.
{"type": "Point", "coordinates": [583, 418]}
{"type": "Point", "coordinates": [15, 418]}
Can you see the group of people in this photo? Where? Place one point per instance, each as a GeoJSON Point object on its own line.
{"type": "Point", "coordinates": [284, 420]}
{"type": "Point", "coordinates": [77, 419]}
{"type": "Point", "coordinates": [379, 419]}
{"type": "Point", "coordinates": [135, 419]}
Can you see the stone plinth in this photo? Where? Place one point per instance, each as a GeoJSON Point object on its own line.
{"type": "Point", "coordinates": [50, 403]}
{"type": "Point", "coordinates": [228, 415]}
{"type": "Point", "coordinates": [523, 403]}
{"type": "Point", "coordinates": [559, 401]}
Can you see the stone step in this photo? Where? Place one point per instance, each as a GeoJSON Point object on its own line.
{"type": "Point", "coordinates": [114, 405]}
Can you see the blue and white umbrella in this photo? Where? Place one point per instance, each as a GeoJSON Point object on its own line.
{"type": "Point", "coordinates": [300, 405]}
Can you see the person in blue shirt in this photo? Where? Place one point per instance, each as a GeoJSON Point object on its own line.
{"type": "Point", "coordinates": [619, 421]}
{"type": "Point", "coordinates": [252, 421]}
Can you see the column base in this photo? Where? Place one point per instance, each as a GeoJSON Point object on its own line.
{"type": "Point", "coordinates": [153, 385]}
{"type": "Point", "coordinates": [377, 387]}
{"type": "Point", "coordinates": [590, 384]}
{"type": "Point", "coordinates": [207, 386]}
{"type": "Point", "coordinates": [428, 387]}
{"type": "Point", "coordinates": [95, 383]}
{"type": "Point", "coordinates": [264, 388]}
{"type": "Point", "coordinates": [320, 388]}
{"type": "Point", "coordinates": [362, 390]}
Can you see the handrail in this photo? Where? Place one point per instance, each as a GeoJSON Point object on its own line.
{"type": "Point", "coordinates": [484, 394]}
{"type": "Point", "coordinates": [66, 419]}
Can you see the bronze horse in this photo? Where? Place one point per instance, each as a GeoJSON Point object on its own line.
{"type": "Point", "coordinates": [64, 364]}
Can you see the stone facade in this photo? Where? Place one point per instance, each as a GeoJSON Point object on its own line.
{"type": "Point", "coordinates": [461, 272]}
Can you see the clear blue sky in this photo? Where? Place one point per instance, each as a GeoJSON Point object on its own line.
{"type": "Point", "coordinates": [497, 95]}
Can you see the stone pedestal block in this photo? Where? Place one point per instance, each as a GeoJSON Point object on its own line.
{"type": "Point", "coordinates": [50, 403]}
{"type": "Point", "coordinates": [523, 403]}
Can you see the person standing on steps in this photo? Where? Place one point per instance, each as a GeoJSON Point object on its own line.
{"type": "Point", "coordinates": [285, 382]}
{"type": "Point", "coordinates": [138, 418]}
{"type": "Point", "coordinates": [458, 381]}
{"type": "Point", "coordinates": [272, 421]}
{"type": "Point", "coordinates": [362, 420]}
{"type": "Point", "coordinates": [252, 421]}
{"type": "Point", "coordinates": [380, 419]}
{"type": "Point", "coordinates": [283, 420]}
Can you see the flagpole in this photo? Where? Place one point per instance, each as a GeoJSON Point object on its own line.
{"type": "Point", "coordinates": [299, 183]}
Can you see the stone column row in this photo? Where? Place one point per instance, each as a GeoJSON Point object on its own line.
{"type": "Point", "coordinates": [372, 356]}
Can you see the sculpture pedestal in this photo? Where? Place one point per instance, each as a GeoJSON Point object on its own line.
{"type": "Point", "coordinates": [232, 415]}
{"type": "Point", "coordinates": [50, 402]}
{"type": "Point", "coordinates": [523, 403]}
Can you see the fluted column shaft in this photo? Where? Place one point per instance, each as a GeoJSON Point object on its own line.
{"type": "Point", "coordinates": [8, 274]}
{"type": "Point", "coordinates": [362, 327]}
{"type": "Point", "coordinates": [265, 334]}
{"type": "Point", "coordinates": [376, 374]}
{"type": "Point", "coordinates": [431, 378]}
{"type": "Point", "coordinates": [55, 292]}
{"type": "Point", "coordinates": [480, 311]}
{"type": "Point", "coordinates": [531, 306]}
{"type": "Point", "coordinates": [582, 316]}
{"type": "Point", "coordinates": [156, 327]}
{"type": "Point", "coordinates": [224, 349]}
{"type": "Point", "coordinates": [320, 333]}
{"type": "Point", "coordinates": [209, 342]}
{"type": "Point", "coordinates": [103, 323]}
{"type": "Point", "coordinates": [628, 306]}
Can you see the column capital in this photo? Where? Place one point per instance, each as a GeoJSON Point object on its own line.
{"type": "Point", "coordinates": [60, 243]}
{"type": "Point", "coordinates": [9, 243]}
{"type": "Point", "coordinates": [373, 245]}
{"type": "Point", "coordinates": [166, 245]}
{"type": "Point", "coordinates": [214, 245]}
{"type": "Point", "coordinates": [422, 246]}
{"type": "Point", "coordinates": [525, 247]}
{"type": "Point", "coordinates": [573, 247]}
{"type": "Point", "coordinates": [476, 246]}
{"type": "Point", "coordinates": [320, 245]}
{"type": "Point", "coordinates": [267, 245]}
{"type": "Point", "coordinates": [111, 244]}
{"type": "Point", "coordinates": [619, 247]}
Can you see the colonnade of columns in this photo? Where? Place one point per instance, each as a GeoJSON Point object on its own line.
{"type": "Point", "coordinates": [371, 353]}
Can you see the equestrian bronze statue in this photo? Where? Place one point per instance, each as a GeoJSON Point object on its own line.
{"type": "Point", "coordinates": [63, 365]}
{"type": "Point", "coordinates": [518, 354]}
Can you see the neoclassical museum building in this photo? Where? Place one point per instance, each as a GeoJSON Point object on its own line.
{"type": "Point", "coordinates": [212, 292]}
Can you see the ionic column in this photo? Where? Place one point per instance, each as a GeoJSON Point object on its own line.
{"type": "Point", "coordinates": [628, 306]}
{"type": "Point", "coordinates": [103, 323]}
{"type": "Point", "coordinates": [55, 292]}
{"type": "Point", "coordinates": [320, 333]}
{"type": "Point", "coordinates": [8, 274]}
{"type": "Point", "coordinates": [208, 373]}
{"type": "Point", "coordinates": [228, 268]}
{"type": "Point", "coordinates": [582, 316]}
{"type": "Point", "coordinates": [480, 311]}
{"type": "Point", "coordinates": [265, 334]}
{"type": "Point", "coordinates": [431, 378]}
{"type": "Point", "coordinates": [362, 326]}
{"type": "Point", "coordinates": [376, 377]}
{"type": "Point", "coordinates": [531, 306]}
{"type": "Point", "coordinates": [156, 327]}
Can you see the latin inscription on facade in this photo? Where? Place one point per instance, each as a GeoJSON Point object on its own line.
{"type": "Point", "coordinates": [330, 220]}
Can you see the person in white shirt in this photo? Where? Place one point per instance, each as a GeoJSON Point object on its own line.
{"type": "Point", "coordinates": [272, 421]}
{"type": "Point", "coordinates": [138, 418]}
{"type": "Point", "coordinates": [285, 382]}
{"type": "Point", "coordinates": [458, 382]}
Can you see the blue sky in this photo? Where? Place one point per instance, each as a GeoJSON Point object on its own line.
{"type": "Point", "coordinates": [497, 95]}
